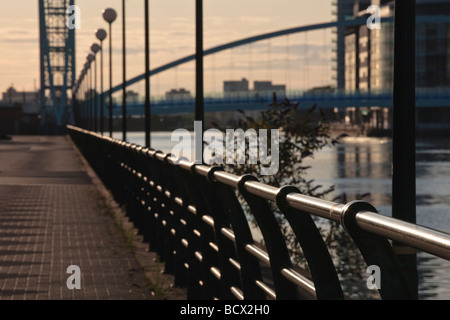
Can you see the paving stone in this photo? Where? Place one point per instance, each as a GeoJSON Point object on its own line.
{"type": "Point", "coordinates": [50, 219]}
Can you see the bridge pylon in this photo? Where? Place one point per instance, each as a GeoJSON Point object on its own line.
{"type": "Point", "coordinates": [57, 64]}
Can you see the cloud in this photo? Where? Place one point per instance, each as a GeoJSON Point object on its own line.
{"type": "Point", "coordinates": [20, 40]}
{"type": "Point", "coordinates": [16, 35]}
{"type": "Point", "coordinates": [255, 20]}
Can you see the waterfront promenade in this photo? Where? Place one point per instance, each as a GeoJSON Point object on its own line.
{"type": "Point", "coordinates": [53, 214]}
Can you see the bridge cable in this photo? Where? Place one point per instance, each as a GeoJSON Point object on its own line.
{"type": "Point", "coordinates": [269, 60]}
{"type": "Point", "coordinates": [176, 78]}
{"type": "Point", "coordinates": [306, 64]}
{"type": "Point", "coordinates": [287, 73]}
{"type": "Point", "coordinates": [250, 62]}
{"type": "Point", "coordinates": [213, 75]}
{"type": "Point", "coordinates": [232, 64]}
{"type": "Point", "coordinates": [324, 68]}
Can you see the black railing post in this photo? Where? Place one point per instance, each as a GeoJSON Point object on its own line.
{"type": "Point", "coordinates": [404, 153]}
{"type": "Point", "coordinates": [95, 95]}
{"type": "Point", "coordinates": [273, 239]}
{"type": "Point", "coordinates": [199, 93]}
{"type": "Point", "coordinates": [102, 97]}
{"type": "Point", "coordinates": [124, 79]}
{"type": "Point", "coordinates": [110, 84]}
{"type": "Point", "coordinates": [90, 97]}
{"type": "Point", "coordinates": [147, 77]}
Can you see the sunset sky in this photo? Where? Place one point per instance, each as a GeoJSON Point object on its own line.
{"type": "Point", "coordinates": [172, 36]}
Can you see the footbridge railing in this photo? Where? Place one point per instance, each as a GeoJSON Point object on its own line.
{"type": "Point", "coordinates": [191, 216]}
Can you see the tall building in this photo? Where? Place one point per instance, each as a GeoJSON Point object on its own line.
{"type": "Point", "coordinates": [369, 54]}
{"type": "Point", "coordinates": [433, 43]}
{"type": "Point", "coordinates": [343, 9]}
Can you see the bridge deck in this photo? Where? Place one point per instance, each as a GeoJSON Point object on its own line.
{"type": "Point", "coordinates": [51, 218]}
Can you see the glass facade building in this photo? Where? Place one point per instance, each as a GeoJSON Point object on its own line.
{"type": "Point", "coordinates": [369, 54]}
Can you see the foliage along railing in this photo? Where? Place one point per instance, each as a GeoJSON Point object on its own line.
{"type": "Point", "coordinates": [191, 216]}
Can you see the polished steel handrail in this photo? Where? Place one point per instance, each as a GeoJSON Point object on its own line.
{"type": "Point", "coordinates": [420, 237]}
{"type": "Point", "coordinates": [423, 238]}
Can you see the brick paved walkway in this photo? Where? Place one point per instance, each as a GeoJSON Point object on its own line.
{"type": "Point", "coordinates": [50, 219]}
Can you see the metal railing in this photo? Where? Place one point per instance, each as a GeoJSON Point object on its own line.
{"type": "Point", "coordinates": [191, 216]}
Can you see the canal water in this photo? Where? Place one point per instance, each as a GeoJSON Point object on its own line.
{"type": "Point", "coordinates": [361, 168]}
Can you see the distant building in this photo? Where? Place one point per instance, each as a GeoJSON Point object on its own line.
{"type": "Point", "coordinates": [266, 88]}
{"type": "Point", "coordinates": [320, 90]}
{"type": "Point", "coordinates": [132, 97]}
{"type": "Point", "coordinates": [178, 94]}
{"type": "Point", "coordinates": [29, 100]}
{"type": "Point", "coordinates": [241, 88]}
{"type": "Point", "coordinates": [236, 86]}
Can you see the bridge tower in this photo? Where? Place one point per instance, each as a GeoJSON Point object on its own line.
{"type": "Point", "coordinates": [57, 63]}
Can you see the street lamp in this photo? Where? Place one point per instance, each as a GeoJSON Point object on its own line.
{"type": "Point", "coordinates": [110, 15]}
{"type": "Point", "coordinates": [95, 48]}
{"type": "Point", "coordinates": [101, 35]}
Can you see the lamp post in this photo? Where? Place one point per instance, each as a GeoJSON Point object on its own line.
{"type": "Point", "coordinates": [76, 107]}
{"type": "Point", "coordinates": [91, 59]}
{"type": "Point", "coordinates": [87, 97]}
{"type": "Point", "coordinates": [83, 96]}
{"type": "Point", "coordinates": [110, 15]}
{"type": "Point", "coordinates": [124, 76]}
{"type": "Point", "coordinates": [95, 48]}
{"type": "Point", "coordinates": [85, 102]}
{"type": "Point", "coordinates": [101, 35]}
{"type": "Point", "coordinates": [147, 77]}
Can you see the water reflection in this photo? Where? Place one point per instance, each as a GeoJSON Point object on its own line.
{"type": "Point", "coordinates": [362, 160]}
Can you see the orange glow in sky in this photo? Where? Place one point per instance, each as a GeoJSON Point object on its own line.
{"type": "Point", "coordinates": [172, 35]}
